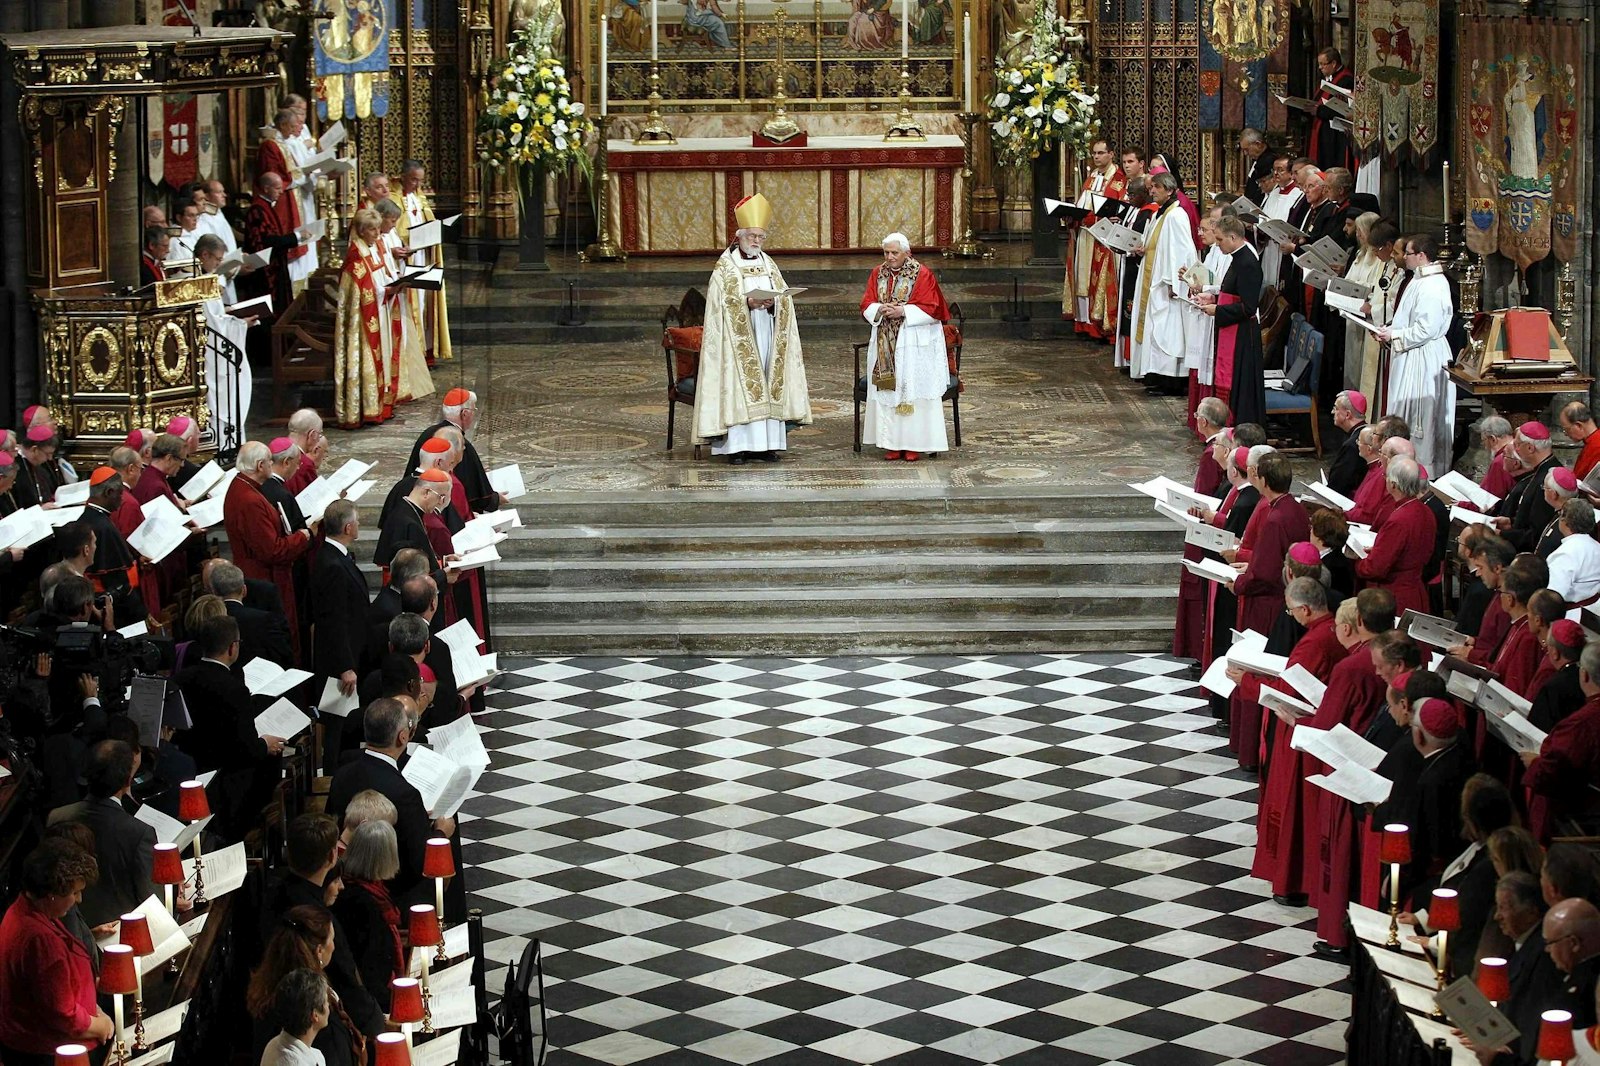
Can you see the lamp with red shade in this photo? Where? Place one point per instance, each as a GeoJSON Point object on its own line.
{"type": "Point", "coordinates": [438, 863]}
{"type": "Point", "coordinates": [1555, 1037]}
{"type": "Point", "coordinates": [1395, 852]}
{"type": "Point", "coordinates": [134, 931]}
{"type": "Point", "coordinates": [1494, 980]}
{"type": "Point", "coordinates": [405, 1003]}
{"type": "Point", "coordinates": [119, 976]}
{"type": "Point", "coordinates": [193, 806]}
{"type": "Point", "coordinates": [166, 870]}
{"type": "Point", "coordinates": [1444, 918]}
{"type": "Point", "coordinates": [393, 1050]}
{"type": "Point", "coordinates": [423, 932]}
{"type": "Point", "coordinates": [72, 1055]}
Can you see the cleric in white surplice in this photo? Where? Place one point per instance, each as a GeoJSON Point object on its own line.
{"type": "Point", "coordinates": [908, 367]}
{"type": "Point", "coordinates": [1161, 311]}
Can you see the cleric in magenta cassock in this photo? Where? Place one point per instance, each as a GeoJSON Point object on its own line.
{"type": "Point", "coordinates": [751, 384]}
{"type": "Point", "coordinates": [908, 367]}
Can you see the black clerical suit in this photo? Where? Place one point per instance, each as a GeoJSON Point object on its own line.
{"type": "Point", "coordinates": [481, 496]}
{"type": "Point", "coordinates": [1247, 394]}
{"type": "Point", "coordinates": [1560, 696]}
{"type": "Point", "coordinates": [1527, 508]}
{"type": "Point", "coordinates": [1348, 469]}
{"type": "Point", "coordinates": [115, 570]}
{"type": "Point", "coordinates": [338, 613]}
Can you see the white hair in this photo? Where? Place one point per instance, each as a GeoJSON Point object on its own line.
{"type": "Point", "coordinates": [1258, 451]}
{"type": "Point", "coordinates": [291, 452]}
{"type": "Point", "coordinates": [898, 239]}
{"type": "Point", "coordinates": [252, 454]}
{"type": "Point", "coordinates": [305, 421]}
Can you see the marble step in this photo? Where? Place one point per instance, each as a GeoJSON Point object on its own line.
{"type": "Point", "coordinates": [858, 537]}
{"type": "Point", "coordinates": [786, 604]}
{"type": "Point", "coordinates": [803, 570]}
{"type": "Point", "coordinates": [904, 634]}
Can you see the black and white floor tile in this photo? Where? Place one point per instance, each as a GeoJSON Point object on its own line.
{"type": "Point", "coordinates": [923, 860]}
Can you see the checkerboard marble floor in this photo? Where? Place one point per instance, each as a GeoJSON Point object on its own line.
{"type": "Point", "coordinates": [921, 860]}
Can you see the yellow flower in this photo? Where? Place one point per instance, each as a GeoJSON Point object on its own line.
{"type": "Point", "coordinates": [542, 100]}
{"type": "Point", "coordinates": [516, 127]}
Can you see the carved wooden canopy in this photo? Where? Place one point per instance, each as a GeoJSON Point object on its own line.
{"type": "Point", "coordinates": [143, 60]}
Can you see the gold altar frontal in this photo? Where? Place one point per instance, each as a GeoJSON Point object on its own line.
{"type": "Point", "coordinates": [836, 194]}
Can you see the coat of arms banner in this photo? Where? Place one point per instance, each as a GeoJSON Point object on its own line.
{"type": "Point", "coordinates": [1521, 106]}
{"type": "Point", "coordinates": [1396, 103]}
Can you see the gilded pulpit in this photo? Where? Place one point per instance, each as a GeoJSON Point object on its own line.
{"type": "Point", "coordinates": [113, 358]}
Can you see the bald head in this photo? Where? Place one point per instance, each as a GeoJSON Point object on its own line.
{"type": "Point", "coordinates": [1398, 448]}
{"type": "Point", "coordinates": [1572, 933]}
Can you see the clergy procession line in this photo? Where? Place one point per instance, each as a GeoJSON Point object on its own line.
{"type": "Point", "coordinates": [1401, 755]}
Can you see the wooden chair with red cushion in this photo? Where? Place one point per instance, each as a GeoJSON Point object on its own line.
{"type": "Point", "coordinates": [681, 330]}
{"type": "Point", "coordinates": [952, 393]}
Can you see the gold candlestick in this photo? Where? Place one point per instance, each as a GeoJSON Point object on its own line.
{"type": "Point", "coordinates": [779, 127]}
{"type": "Point", "coordinates": [603, 250]}
{"type": "Point", "coordinates": [655, 131]}
{"type": "Point", "coordinates": [1394, 907]}
{"type": "Point", "coordinates": [968, 247]}
{"type": "Point", "coordinates": [905, 127]}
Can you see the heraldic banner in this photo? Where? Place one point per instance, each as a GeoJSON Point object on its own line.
{"type": "Point", "coordinates": [1521, 101]}
{"type": "Point", "coordinates": [1396, 102]}
{"type": "Point", "coordinates": [351, 59]}
{"type": "Point", "coordinates": [1244, 54]}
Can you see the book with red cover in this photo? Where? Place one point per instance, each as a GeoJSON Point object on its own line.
{"type": "Point", "coordinates": [1528, 333]}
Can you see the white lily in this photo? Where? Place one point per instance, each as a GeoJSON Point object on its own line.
{"type": "Point", "coordinates": [1002, 100]}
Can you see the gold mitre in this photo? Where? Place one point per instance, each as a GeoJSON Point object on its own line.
{"type": "Point", "coordinates": [753, 212]}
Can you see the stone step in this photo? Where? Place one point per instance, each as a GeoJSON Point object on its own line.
{"type": "Point", "coordinates": [1002, 535]}
{"type": "Point", "coordinates": [905, 634]}
{"type": "Point", "coordinates": [760, 505]}
{"type": "Point", "coordinates": [978, 603]}
{"type": "Point", "coordinates": [845, 326]}
{"type": "Point", "coordinates": [883, 569]}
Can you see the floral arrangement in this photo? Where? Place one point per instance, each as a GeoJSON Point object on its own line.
{"type": "Point", "coordinates": [531, 122]}
{"type": "Point", "coordinates": [1041, 95]}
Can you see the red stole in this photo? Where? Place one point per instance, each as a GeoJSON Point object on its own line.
{"type": "Point", "coordinates": [1227, 339]}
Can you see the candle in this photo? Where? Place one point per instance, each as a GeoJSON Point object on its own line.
{"type": "Point", "coordinates": [655, 7]}
{"type": "Point", "coordinates": [603, 71]}
{"type": "Point", "coordinates": [968, 73]}
{"type": "Point", "coordinates": [905, 30]}
{"type": "Point", "coordinates": [1447, 192]}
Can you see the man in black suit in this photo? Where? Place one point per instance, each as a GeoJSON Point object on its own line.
{"type": "Point", "coordinates": [406, 564]}
{"type": "Point", "coordinates": [338, 605]}
{"type": "Point", "coordinates": [1536, 984]}
{"type": "Point", "coordinates": [1258, 165]}
{"type": "Point", "coordinates": [115, 570]}
{"type": "Point", "coordinates": [262, 595]}
{"type": "Point", "coordinates": [388, 730]}
{"type": "Point", "coordinates": [261, 633]}
{"type": "Point", "coordinates": [223, 736]}
{"type": "Point", "coordinates": [1446, 764]}
{"type": "Point", "coordinates": [311, 850]}
{"type": "Point", "coordinates": [123, 845]}
{"type": "Point", "coordinates": [405, 526]}
{"type": "Point", "coordinates": [1562, 694]}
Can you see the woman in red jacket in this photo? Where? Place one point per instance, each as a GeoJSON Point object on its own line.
{"type": "Point", "coordinates": [47, 985]}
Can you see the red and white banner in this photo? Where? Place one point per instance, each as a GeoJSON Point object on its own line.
{"type": "Point", "coordinates": [179, 145]}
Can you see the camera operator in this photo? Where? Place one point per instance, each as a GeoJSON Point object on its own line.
{"type": "Point", "coordinates": [71, 716]}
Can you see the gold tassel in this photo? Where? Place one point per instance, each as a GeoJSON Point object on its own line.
{"type": "Point", "coordinates": [903, 408]}
{"type": "Point", "coordinates": [884, 382]}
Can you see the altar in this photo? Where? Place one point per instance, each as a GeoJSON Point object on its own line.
{"type": "Point", "coordinates": [843, 193]}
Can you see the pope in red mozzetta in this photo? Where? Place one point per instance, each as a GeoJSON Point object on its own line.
{"type": "Point", "coordinates": [908, 367]}
{"type": "Point", "coordinates": [257, 531]}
